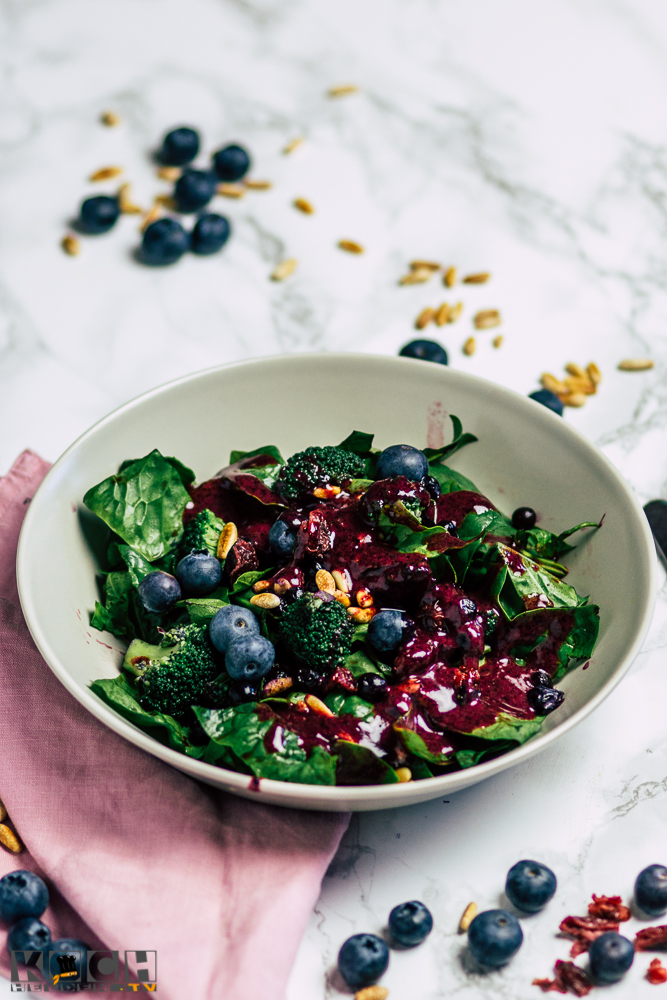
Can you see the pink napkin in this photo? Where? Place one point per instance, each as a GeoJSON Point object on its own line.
{"type": "Point", "coordinates": [138, 856]}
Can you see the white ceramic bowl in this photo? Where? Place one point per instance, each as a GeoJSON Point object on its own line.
{"type": "Point", "coordinates": [525, 455]}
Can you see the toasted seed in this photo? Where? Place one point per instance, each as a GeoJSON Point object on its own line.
{"type": "Point", "coordinates": [261, 585]}
{"type": "Point", "coordinates": [594, 373]}
{"type": "Point", "coordinates": [151, 215]}
{"type": "Point", "coordinates": [425, 317]}
{"type": "Point", "coordinates": [325, 581]}
{"type": "Point", "coordinates": [498, 340]}
{"type": "Point", "coordinates": [342, 90]}
{"type": "Point", "coordinates": [326, 492]}
{"type": "Point", "coordinates": [278, 684]}
{"type": "Point", "coordinates": [292, 145]}
{"type": "Point", "coordinates": [284, 269]}
{"type": "Point", "coordinates": [343, 581]}
{"type": "Point", "coordinates": [169, 173]}
{"type": "Point", "coordinates": [403, 774]}
{"type": "Point", "coordinates": [265, 601]}
{"type": "Point", "coordinates": [476, 279]}
{"type": "Point", "coordinates": [342, 598]}
{"type": "Point", "coordinates": [573, 399]}
{"type": "Point", "coordinates": [105, 173]}
{"type": "Point", "coordinates": [70, 245]}
{"type": "Point", "coordinates": [442, 314]}
{"type": "Point", "coordinates": [9, 840]}
{"type": "Point", "coordinates": [281, 586]}
{"type": "Point", "coordinates": [635, 365]}
{"type": "Point", "coordinates": [361, 615]}
{"type": "Point", "coordinates": [486, 319]}
{"type": "Point", "coordinates": [304, 206]}
{"type": "Point", "coordinates": [125, 203]}
{"type": "Point", "coordinates": [364, 598]}
{"type": "Point", "coordinates": [3, 811]}
{"type": "Point", "coordinates": [579, 385]}
{"type": "Point", "coordinates": [450, 277]}
{"type": "Point", "coordinates": [417, 277]}
{"type": "Point", "coordinates": [470, 346]}
{"type": "Point", "coordinates": [429, 265]}
{"type": "Point", "coordinates": [231, 190]}
{"type": "Point", "coordinates": [553, 384]}
{"type": "Point", "coordinates": [166, 201]}
{"type": "Point", "coordinates": [110, 119]}
{"type": "Point", "coordinates": [372, 992]}
{"type": "Point", "coordinates": [455, 312]}
{"type": "Point", "coordinates": [316, 704]}
{"type": "Point", "coordinates": [350, 246]}
{"type": "Point", "coordinates": [573, 369]}
{"type": "Point", "coordinates": [258, 185]}
{"type": "Point", "coordinates": [467, 917]}
{"type": "Point", "coordinates": [229, 536]}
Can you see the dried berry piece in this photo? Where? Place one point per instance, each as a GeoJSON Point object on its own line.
{"type": "Point", "coordinates": [651, 938]}
{"type": "Point", "coordinates": [657, 973]}
{"type": "Point", "coordinates": [241, 559]}
{"type": "Point", "coordinates": [585, 930]}
{"type": "Point", "coordinates": [568, 978]}
{"type": "Point", "coordinates": [609, 908]}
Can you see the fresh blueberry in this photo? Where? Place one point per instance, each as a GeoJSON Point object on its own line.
{"type": "Point", "coordinates": [210, 234]}
{"type": "Point", "coordinates": [650, 890]}
{"type": "Point", "coordinates": [372, 687]}
{"type": "Point", "coordinates": [194, 189]}
{"type": "Point", "coordinates": [494, 937]}
{"type": "Point", "coordinates": [523, 518]}
{"type": "Point", "coordinates": [425, 350]}
{"type": "Point", "coordinates": [545, 699]}
{"type": "Point", "coordinates": [180, 146]}
{"type": "Point", "coordinates": [66, 946]}
{"type": "Point", "coordinates": [548, 399]}
{"type": "Point", "coordinates": [410, 923]}
{"type": "Point", "coordinates": [307, 679]}
{"type": "Point", "coordinates": [610, 957]}
{"type": "Point", "coordinates": [98, 214]}
{"type": "Point", "coordinates": [231, 163]}
{"type": "Point", "coordinates": [432, 486]}
{"type": "Point", "coordinates": [402, 460]}
{"type": "Point", "coordinates": [158, 591]}
{"type": "Point", "coordinates": [541, 679]}
{"type": "Point", "coordinates": [385, 630]}
{"type": "Point", "coordinates": [362, 959]}
{"type": "Point", "coordinates": [164, 242]}
{"type": "Point", "coordinates": [230, 623]}
{"type": "Point", "coordinates": [22, 894]}
{"type": "Point", "coordinates": [199, 573]}
{"type": "Point", "coordinates": [28, 934]}
{"type": "Point", "coordinates": [282, 539]}
{"type": "Point", "coordinates": [249, 658]}
{"type": "Point", "coordinates": [241, 692]}
{"type": "Point", "coordinates": [530, 885]}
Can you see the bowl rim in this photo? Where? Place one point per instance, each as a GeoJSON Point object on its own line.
{"type": "Point", "coordinates": [348, 796]}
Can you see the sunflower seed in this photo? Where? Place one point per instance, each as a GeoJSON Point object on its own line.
{"type": "Point", "coordinates": [372, 993]}
{"type": "Point", "coordinates": [450, 277]}
{"type": "Point", "coordinates": [470, 346]}
{"type": "Point", "coordinates": [594, 373]}
{"type": "Point", "coordinates": [151, 215]}
{"type": "Point", "coordinates": [583, 385]}
{"type": "Point", "coordinates": [430, 265]}
{"type": "Point", "coordinates": [231, 190]}
{"type": "Point", "coordinates": [284, 269]}
{"type": "Point", "coordinates": [229, 536]}
{"type": "Point", "coordinates": [350, 246]}
{"type": "Point", "coordinates": [342, 580]}
{"type": "Point", "coordinates": [425, 317]}
{"type": "Point", "coordinates": [325, 581]}
{"type": "Point", "coordinates": [70, 245]}
{"type": "Point", "coordinates": [553, 384]}
{"type": "Point", "coordinates": [486, 319]}
{"type": "Point", "coordinates": [125, 203]}
{"type": "Point", "coordinates": [573, 399]}
{"type": "Point", "coordinates": [265, 601]}
{"type": "Point", "coordinates": [498, 341]}
{"type": "Point", "coordinates": [169, 173]}
{"type": "Point", "coordinates": [477, 279]}
{"type": "Point", "coordinates": [417, 277]}
{"type": "Point", "coordinates": [304, 206]}
{"type": "Point", "coordinates": [467, 918]}
{"type": "Point", "coordinates": [316, 704]}
{"type": "Point", "coordinates": [258, 185]}
{"type": "Point", "coordinates": [455, 312]}
{"type": "Point", "coordinates": [342, 90]}
{"type": "Point", "coordinates": [292, 145]}
{"type": "Point", "coordinates": [635, 365]}
{"type": "Point", "coordinates": [576, 370]}
{"type": "Point", "coordinates": [166, 201]}
{"type": "Point", "coordinates": [442, 315]}
{"type": "Point", "coordinates": [110, 119]}
{"type": "Point", "coordinates": [105, 173]}
{"type": "Point", "coordinates": [9, 840]}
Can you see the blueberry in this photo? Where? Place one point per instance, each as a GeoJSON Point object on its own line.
{"type": "Point", "coordinates": [28, 934]}
{"type": "Point", "coordinates": [541, 679]}
{"type": "Point", "coordinates": [194, 189]}
{"type": "Point", "coordinates": [402, 460]}
{"type": "Point", "coordinates": [66, 946]}
{"type": "Point", "coordinates": [530, 885]}
{"type": "Point", "coordinates": [308, 679]}
{"type": "Point", "coordinates": [362, 959]}
{"type": "Point", "coordinates": [432, 486]}
{"type": "Point", "coordinates": [410, 923]}
{"type": "Point", "coordinates": [385, 631]}
{"type": "Point", "coordinates": [98, 214]}
{"type": "Point", "coordinates": [610, 957]}
{"type": "Point", "coordinates": [210, 233]}
{"type": "Point", "coordinates": [249, 658]}
{"type": "Point", "coordinates": [164, 242]}
{"type": "Point", "coordinates": [545, 699]}
{"type": "Point", "coordinates": [548, 399]}
{"type": "Point", "coordinates": [158, 591]}
{"type": "Point", "coordinates": [180, 146]}
{"type": "Point", "coordinates": [231, 623]}
{"type": "Point", "coordinates": [231, 163]}
{"type": "Point", "coordinates": [282, 539]}
{"type": "Point", "coordinates": [241, 692]}
{"type": "Point", "coordinates": [524, 517]}
{"type": "Point", "coordinates": [22, 894]}
{"type": "Point", "coordinates": [494, 937]}
{"type": "Point", "coordinates": [199, 573]}
{"type": "Point", "coordinates": [425, 350]}
{"type": "Point", "coordinates": [372, 687]}
{"type": "Point", "coordinates": [650, 890]}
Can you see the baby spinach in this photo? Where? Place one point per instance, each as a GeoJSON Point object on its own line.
{"type": "Point", "coordinates": [269, 449]}
{"type": "Point", "coordinates": [522, 585]}
{"type": "Point", "coordinates": [357, 765]}
{"type": "Point", "coordinates": [459, 440]}
{"type": "Point", "coordinates": [581, 641]}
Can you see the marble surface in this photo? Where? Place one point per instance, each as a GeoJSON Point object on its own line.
{"type": "Point", "coordinates": [527, 140]}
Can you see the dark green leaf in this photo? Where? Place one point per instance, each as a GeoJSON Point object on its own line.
{"type": "Point", "coordinates": [450, 480]}
{"type": "Point", "coordinates": [349, 704]}
{"type": "Point", "coordinates": [137, 566]}
{"type": "Point", "coordinates": [522, 585]}
{"type": "Point", "coordinates": [360, 485]}
{"type": "Point", "coordinates": [581, 640]}
{"type": "Point", "coordinates": [359, 766]}
{"type": "Point", "coordinates": [491, 522]}
{"type": "Point", "coordinates": [459, 440]}
{"type": "Point", "coordinates": [495, 748]}
{"type": "Point", "coordinates": [269, 449]}
{"type": "Point", "coordinates": [358, 443]}
{"type": "Point", "coordinates": [359, 662]}
{"type": "Point", "coordinates": [114, 615]}
{"type": "Point", "coordinates": [416, 745]}
{"type": "Point", "coordinates": [507, 727]}
{"type": "Point", "coordinates": [202, 609]}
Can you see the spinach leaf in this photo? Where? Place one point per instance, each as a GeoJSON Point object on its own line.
{"type": "Point", "coordinates": [420, 769]}
{"type": "Point", "coordinates": [137, 566]}
{"type": "Point", "coordinates": [242, 591]}
{"type": "Point", "coordinates": [349, 704]}
{"type": "Point", "coordinates": [359, 662]}
{"type": "Point", "coordinates": [545, 546]}
{"type": "Point", "coordinates": [495, 748]}
{"type": "Point", "coordinates": [358, 443]}
{"type": "Point", "coordinates": [581, 641]}
{"type": "Point", "coordinates": [202, 609]}
{"type": "Point", "coordinates": [143, 504]}
{"type": "Point", "coordinates": [522, 585]}
{"type": "Point", "coordinates": [269, 449]}
{"type": "Point", "coordinates": [114, 615]}
{"type": "Point", "coordinates": [414, 743]}
{"type": "Point", "coordinates": [491, 522]}
{"type": "Point", "coordinates": [358, 765]}
{"type": "Point", "coordinates": [508, 727]}
{"type": "Point", "coordinates": [460, 440]}
{"type": "Point", "coordinates": [267, 474]}
{"type": "Point", "coordinates": [186, 475]}
{"type": "Point", "coordinates": [450, 480]}
{"type": "Point", "coordinates": [360, 485]}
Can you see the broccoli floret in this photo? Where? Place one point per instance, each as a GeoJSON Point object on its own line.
{"type": "Point", "coordinates": [317, 467]}
{"type": "Point", "coordinates": [202, 532]}
{"type": "Point", "coordinates": [176, 674]}
{"type": "Point", "coordinates": [318, 633]}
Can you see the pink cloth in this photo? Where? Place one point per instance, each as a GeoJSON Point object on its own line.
{"type": "Point", "coordinates": [137, 856]}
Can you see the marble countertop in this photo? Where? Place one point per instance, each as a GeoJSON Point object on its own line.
{"type": "Point", "coordinates": [527, 140]}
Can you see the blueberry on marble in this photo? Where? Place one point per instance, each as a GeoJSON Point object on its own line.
{"type": "Point", "coordinates": [22, 894]}
{"type": "Point", "coordinates": [494, 937]}
{"type": "Point", "coordinates": [524, 518]}
{"type": "Point", "coordinates": [198, 573]}
{"type": "Point", "coordinates": [548, 399]}
{"type": "Point", "coordinates": [158, 591]}
{"type": "Point", "coordinates": [66, 946]}
{"type": "Point", "coordinates": [194, 189]}
{"type": "Point", "coordinates": [362, 959]}
{"type": "Point", "coordinates": [530, 885]}
{"type": "Point", "coordinates": [99, 214]}
{"type": "Point", "coordinates": [425, 350]}
{"type": "Point", "coordinates": [372, 687]}
{"type": "Point", "coordinates": [610, 957]}
{"type": "Point", "coordinates": [402, 460]}
{"type": "Point", "coordinates": [249, 658]}
{"type": "Point", "coordinates": [231, 163]}
{"type": "Point", "coordinates": [210, 234]}
{"type": "Point", "coordinates": [385, 630]}
{"type": "Point", "coordinates": [410, 923]}
{"type": "Point", "coordinates": [164, 242]}
{"type": "Point", "coordinates": [282, 539]}
{"type": "Point", "coordinates": [230, 623]}
{"type": "Point", "coordinates": [28, 934]}
{"type": "Point", "coordinates": [650, 890]}
{"type": "Point", "coordinates": [180, 146]}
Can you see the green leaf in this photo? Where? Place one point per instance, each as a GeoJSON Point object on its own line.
{"type": "Point", "coordinates": [269, 449]}
{"type": "Point", "coordinates": [359, 662]}
{"type": "Point", "coordinates": [358, 765]}
{"type": "Point", "coordinates": [522, 585]}
{"type": "Point", "coordinates": [137, 566]}
{"type": "Point", "coordinates": [360, 485]}
{"type": "Point", "coordinates": [242, 591]}
{"type": "Point", "coordinates": [507, 727]}
{"type": "Point", "coordinates": [358, 443]}
{"type": "Point", "coordinates": [143, 504]}
{"type": "Point", "coordinates": [416, 745]}
{"type": "Point", "coordinates": [581, 641]}
{"type": "Point", "coordinates": [267, 474]}
{"type": "Point", "coordinates": [349, 704]}
{"type": "Point", "coordinates": [495, 748]}
{"type": "Point", "coordinates": [114, 615]}
{"type": "Point", "coordinates": [202, 609]}
{"type": "Point", "coordinates": [186, 475]}
{"type": "Point", "coordinates": [450, 480]}
{"type": "Point", "coordinates": [459, 440]}
{"type": "Point", "coordinates": [491, 522]}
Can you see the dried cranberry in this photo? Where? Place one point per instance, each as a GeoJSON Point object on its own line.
{"type": "Point", "coordinates": [585, 930]}
{"type": "Point", "coordinates": [609, 907]}
{"type": "Point", "coordinates": [241, 559]}
{"type": "Point", "coordinates": [657, 973]}
{"type": "Point", "coordinates": [651, 938]}
{"type": "Point", "coordinates": [569, 978]}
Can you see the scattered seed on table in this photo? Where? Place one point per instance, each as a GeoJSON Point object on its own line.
{"type": "Point", "coordinates": [450, 277]}
{"type": "Point", "coordinates": [169, 173]}
{"type": "Point", "coordinates": [292, 145]}
{"type": "Point", "coordinates": [350, 246]}
{"type": "Point", "coordinates": [429, 265]}
{"type": "Point", "coordinates": [442, 315]}
{"type": "Point", "coordinates": [594, 373]}
{"type": "Point", "coordinates": [70, 245]}
{"type": "Point", "coordinates": [455, 312]}
{"type": "Point", "coordinates": [166, 201]}
{"type": "Point", "coordinates": [635, 365]}
{"type": "Point", "coordinates": [343, 90]}
{"type": "Point", "coordinates": [152, 215]}
{"type": "Point", "coordinates": [485, 319]}
{"type": "Point", "coordinates": [3, 811]}
{"type": "Point", "coordinates": [110, 119]}
{"type": "Point", "coordinates": [258, 185]}
{"type": "Point", "coordinates": [583, 385]}
{"type": "Point", "coordinates": [470, 346]}
{"type": "Point", "coordinates": [231, 190]}
{"type": "Point", "coordinates": [573, 399]}
{"type": "Point", "coordinates": [477, 279]}
{"type": "Point", "coordinates": [417, 277]}
{"type": "Point", "coordinates": [498, 340]}
{"type": "Point", "coordinates": [425, 317]}
{"type": "Point", "coordinates": [125, 203]}
{"type": "Point", "coordinates": [467, 917]}
{"type": "Point", "coordinates": [573, 369]}
{"type": "Point", "coordinates": [304, 206]}
{"type": "Point", "coordinates": [9, 840]}
{"type": "Point", "coordinates": [553, 384]}
{"type": "Point", "coordinates": [105, 173]}
{"type": "Point", "coordinates": [372, 993]}
{"type": "Point", "coordinates": [284, 269]}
